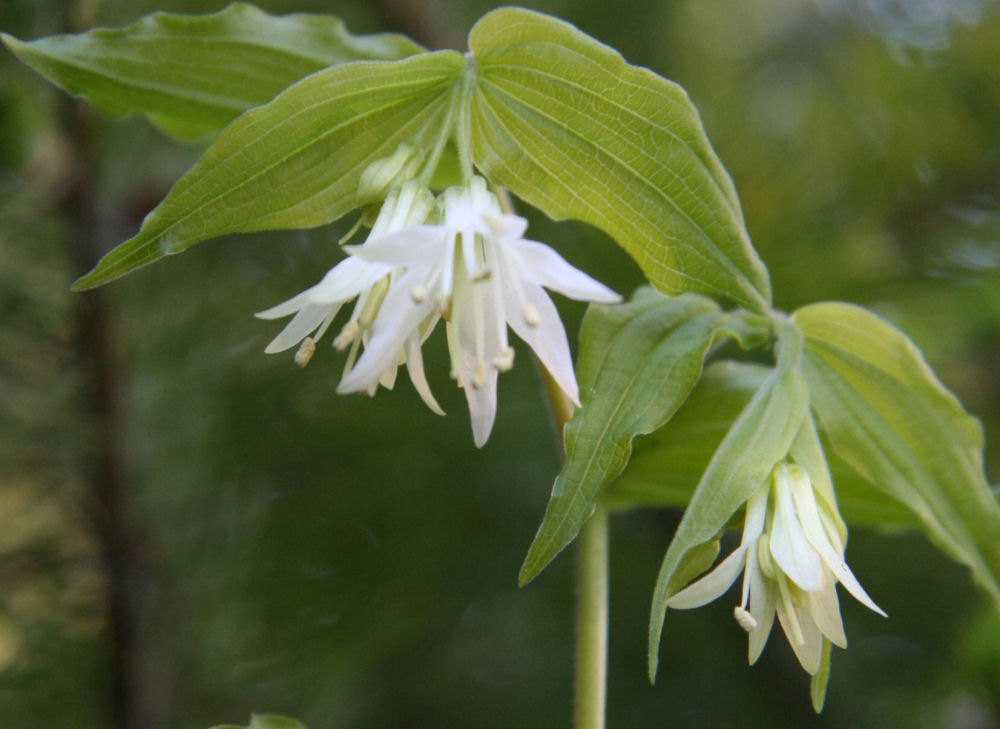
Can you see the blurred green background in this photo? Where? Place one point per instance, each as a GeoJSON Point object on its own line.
{"type": "Point", "coordinates": [191, 530]}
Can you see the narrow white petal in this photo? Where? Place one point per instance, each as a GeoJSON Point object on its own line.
{"type": "Point", "coordinates": [810, 650]}
{"type": "Point", "coordinates": [712, 585]}
{"type": "Point", "coordinates": [762, 605]}
{"type": "Point", "coordinates": [346, 280]}
{"type": "Point", "coordinates": [547, 338]}
{"type": "Point", "coordinates": [285, 308]}
{"type": "Point", "coordinates": [472, 264]}
{"type": "Point", "coordinates": [304, 323]}
{"type": "Point", "coordinates": [792, 552]}
{"type": "Point", "coordinates": [415, 366]}
{"type": "Point", "coordinates": [825, 610]}
{"type": "Point", "coordinates": [398, 317]}
{"type": "Point", "coordinates": [819, 537]}
{"type": "Point", "coordinates": [415, 245]}
{"type": "Point", "coordinates": [506, 226]}
{"type": "Point", "coordinates": [475, 336]}
{"type": "Point", "coordinates": [848, 580]}
{"type": "Point", "coordinates": [482, 406]}
{"type": "Point", "coordinates": [540, 264]}
{"type": "Point", "coordinates": [756, 512]}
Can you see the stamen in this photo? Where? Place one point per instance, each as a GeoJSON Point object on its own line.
{"type": "Point", "coordinates": [419, 294]}
{"type": "Point", "coordinates": [531, 317]}
{"type": "Point", "coordinates": [346, 336]}
{"type": "Point", "coordinates": [767, 566]}
{"type": "Point", "coordinates": [505, 360]}
{"type": "Point", "coordinates": [354, 229]}
{"type": "Point", "coordinates": [305, 352]}
{"type": "Point", "coordinates": [479, 376]}
{"type": "Point", "coordinates": [373, 302]}
{"type": "Point", "coordinates": [785, 595]}
{"type": "Point", "coordinates": [745, 619]}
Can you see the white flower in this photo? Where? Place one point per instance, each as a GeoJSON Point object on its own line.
{"type": "Point", "coordinates": [316, 307]}
{"type": "Point", "coordinates": [791, 556]}
{"type": "Point", "coordinates": [477, 270]}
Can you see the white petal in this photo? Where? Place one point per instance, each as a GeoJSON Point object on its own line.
{"type": "Point", "coordinates": [285, 308]}
{"type": "Point", "coordinates": [413, 246]}
{"type": "Point", "coordinates": [475, 335]}
{"type": "Point", "coordinates": [762, 603]}
{"type": "Point", "coordinates": [397, 319]}
{"type": "Point", "coordinates": [825, 610]}
{"type": "Point", "coordinates": [819, 538]}
{"type": "Point", "coordinates": [346, 280]}
{"type": "Point", "coordinates": [539, 264]}
{"type": "Point", "coordinates": [415, 366]}
{"type": "Point", "coordinates": [756, 512]}
{"type": "Point", "coordinates": [482, 406]}
{"type": "Point", "coordinates": [712, 585]}
{"type": "Point", "coordinates": [505, 225]}
{"type": "Point", "coordinates": [547, 338]}
{"type": "Point", "coordinates": [810, 650]}
{"type": "Point", "coordinates": [304, 323]}
{"type": "Point", "coordinates": [792, 552]}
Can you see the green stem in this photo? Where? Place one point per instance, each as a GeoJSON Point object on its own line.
{"type": "Point", "coordinates": [592, 620]}
{"type": "Point", "coordinates": [591, 663]}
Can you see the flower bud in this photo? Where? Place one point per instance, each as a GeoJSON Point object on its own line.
{"type": "Point", "coordinates": [383, 175]}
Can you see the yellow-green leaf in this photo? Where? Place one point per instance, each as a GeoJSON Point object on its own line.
{"type": "Point", "coordinates": [895, 424]}
{"type": "Point", "coordinates": [193, 74]}
{"type": "Point", "coordinates": [295, 162]}
{"type": "Point", "coordinates": [565, 123]}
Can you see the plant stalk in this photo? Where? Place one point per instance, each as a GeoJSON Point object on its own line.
{"type": "Point", "coordinates": [592, 620]}
{"type": "Point", "coordinates": [591, 661]}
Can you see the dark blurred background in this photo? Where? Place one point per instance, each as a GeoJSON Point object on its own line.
{"type": "Point", "coordinates": [191, 530]}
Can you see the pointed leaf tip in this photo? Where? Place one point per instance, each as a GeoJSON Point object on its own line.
{"type": "Point", "coordinates": [568, 125]}
{"type": "Point", "coordinates": [637, 364]}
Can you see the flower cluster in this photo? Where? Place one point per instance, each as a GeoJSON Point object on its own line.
{"type": "Point", "coordinates": [791, 556]}
{"type": "Point", "coordinates": [459, 257]}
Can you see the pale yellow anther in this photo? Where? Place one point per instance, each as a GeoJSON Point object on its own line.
{"type": "Point", "coordinates": [305, 352]}
{"type": "Point", "coordinates": [505, 360]}
{"type": "Point", "coordinates": [745, 619]}
{"type": "Point", "coordinates": [346, 336]}
{"type": "Point", "coordinates": [479, 376]}
{"type": "Point", "coordinates": [419, 294]}
{"type": "Point", "coordinates": [531, 317]}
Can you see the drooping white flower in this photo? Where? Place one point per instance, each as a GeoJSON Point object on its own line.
{"type": "Point", "coordinates": [791, 556]}
{"type": "Point", "coordinates": [355, 277]}
{"type": "Point", "coordinates": [477, 270]}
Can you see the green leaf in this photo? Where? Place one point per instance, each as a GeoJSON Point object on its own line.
{"type": "Point", "coordinates": [193, 74]}
{"type": "Point", "coordinates": [892, 421]}
{"type": "Point", "coordinates": [759, 438]}
{"type": "Point", "coordinates": [296, 161]}
{"type": "Point", "coordinates": [666, 465]}
{"type": "Point", "coordinates": [567, 125]}
{"type": "Point", "coordinates": [637, 364]}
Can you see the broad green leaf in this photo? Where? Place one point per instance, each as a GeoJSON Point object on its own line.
{"type": "Point", "coordinates": [296, 161]}
{"type": "Point", "coordinates": [760, 437]}
{"type": "Point", "coordinates": [193, 74]}
{"type": "Point", "coordinates": [566, 124]}
{"type": "Point", "coordinates": [890, 419]}
{"type": "Point", "coordinates": [637, 364]}
{"type": "Point", "coordinates": [666, 465]}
